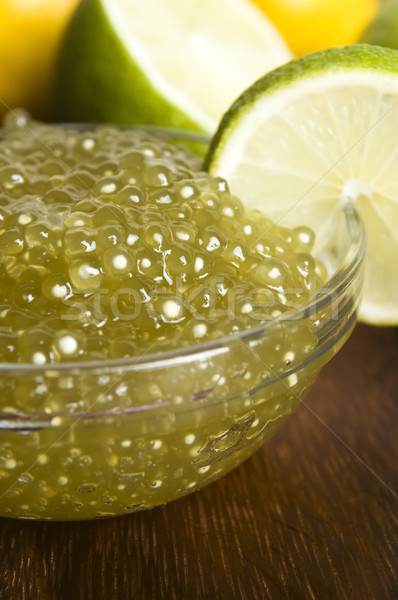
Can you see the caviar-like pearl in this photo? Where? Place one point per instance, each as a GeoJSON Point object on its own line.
{"type": "Point", "coordinates": [114, 243]}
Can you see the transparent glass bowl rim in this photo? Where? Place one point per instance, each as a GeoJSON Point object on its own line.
{"type": "Point", "coordinates": [347, 271]}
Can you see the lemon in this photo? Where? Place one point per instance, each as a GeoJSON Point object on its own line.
{"type": "Point", "coordinates": [316, 133]}
{"type": "Point", "coordinates": [29, 36]}
{"type": "Point", "coordinates": [310, 25]}
{"type": "Point", "coordinates": [163, 62]}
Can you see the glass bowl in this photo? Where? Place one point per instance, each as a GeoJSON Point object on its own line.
{"type": "Point", "coordinates": [98, 439]}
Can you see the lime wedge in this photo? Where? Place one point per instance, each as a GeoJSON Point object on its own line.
{"type": "Point", "coordinates": [162, 62]}
{"type": "Point", "coordinates": [313, 134]}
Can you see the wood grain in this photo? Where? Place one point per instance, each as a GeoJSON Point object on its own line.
{"type": "Point", "coordinates": [312, 515]}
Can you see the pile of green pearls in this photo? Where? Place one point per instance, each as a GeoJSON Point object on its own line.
{"type": "Point", "coordinates": [114, 243]}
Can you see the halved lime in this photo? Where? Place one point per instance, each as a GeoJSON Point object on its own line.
{"type": "Point", "coordinates": [162, 62]}
{"type": "Point", "coordinates": [315, 133]}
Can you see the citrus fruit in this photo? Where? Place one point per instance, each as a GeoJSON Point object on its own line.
{"type": "Point", "coordinates": [309, 25]}
{"type": "Point", "coordinates": [383, 30]}
{"type": "Point", "coordinates": [160, 62]}
{"type": "Point", "coordinates": [313, 134]}
{"type": "Point", "coordinates": [29, 37]}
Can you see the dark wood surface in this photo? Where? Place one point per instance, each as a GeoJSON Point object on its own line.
{"type": "Point", "coordinates": [312, 515]}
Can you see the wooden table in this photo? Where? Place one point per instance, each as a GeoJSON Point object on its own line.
{"type": "Point", "coordinates": [312, 515]}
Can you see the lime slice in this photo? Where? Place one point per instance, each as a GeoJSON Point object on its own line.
{"type": "Point", "coordinates": [162, 62]}
{"type": "Point", "coordinates": [313, 134]}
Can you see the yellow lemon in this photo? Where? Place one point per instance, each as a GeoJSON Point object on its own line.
{"type": "Point", "coordinates": [30, 31]}
{"type": "Point", "coordinates": [309, 25]}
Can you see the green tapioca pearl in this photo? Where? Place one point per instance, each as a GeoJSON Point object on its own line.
{"type": "Point", "coordinates": [131, 159]}
{"type": "Point", "coordinates": [271, 272]}
{"type": "Point", "coordinates": [133, 174]}
{"type": "Point", "coordinates": [107, 236]}
{"type": "Point", "coordinates": [11, 178]}
{"type": "Point", "coordinates": [105, 168]}
{"type": "Point", "coordinates": [29, 285]}
{"type": "Point", "coordinates": [179, 213]}
{"type": "Point", "coordinates": [196, 330]}
{"type": "Point", "coordinates": [56, 288]}
{"type": "Point", "coordinates": [79, 242]}
{"type": "Point", "coordinates": [303, 239]}
{"type": "Point", "coordinates": [85, 273]}
{"type": "Point", "coordinates": [200, 302]}
{"type": "Point", "coordinates": [223, 279]}
{"type": "Point", "coordinates": [124, 304]}
{"type": "Point", "coordinates": [150, 149]}
{"type": "Point", "coordinates": [162, 198]}
{"type": "Point", "coordinates": [35, 346]}
{"type": "Point", "coordinates": [231, 208]}
{"type": "Point", "coordinates": [68, 344]}
{"type": "Point", "coordinates": [150, 264]}
{"type": "Point", "coordinates": [42, 238]}
{"type": "Point", "coordinates": [159, 175]}
{"type": "Point", "coordinates": [203, 216]}
{"type": "Point", "coordinates": [237, 254]}
{"type": "Point", "coordinates": [305, 264]}
{"type": "Point", "coordinates": [85, 205]}
{"type": "Point", "coordinates": [144, 217]}
{"type": "Point", "coordinates": [117, 262]}
{"type": "Point", "coordinates": [85, 144]}
{"type": "Point", "coordinates": [80, 179]}
{"type": "Point", "coordinates": [97, 346]}
{"type": "Point", "coordinates": [255, 225]}
{"type": "Point", "coordinates": [280, 244]}
{"type": "Point", "coordinates": [11, 242]}
{"type": "Point", "coordinates": [156, 236]}
{"type": "Point", "coordinates": [211, 239]}
{"type": "Point", "coordinates": [209, 199]}
{"type": "Point", "coordinates": [229, 227]}
{"type": "Point", "coordinates": [187, 189]}
{"type": "Point", "coordinates": [148, 327]}
{"type": "Point", "coordinates": [9, 346]}
{"type": "Point", "coordinates": [51, 167]}
{"type": "Point", "coordinates": [130, 196]}
{"type": "Point", "coordinates": [178, 261]}
{"type": "Point", "coordinates": [58, 197]}
{"type": "Point", "coordinates": [169, 308]}
{"type": "Point", "coordinates": [107, 186]}
{"type": "Point", "coordinates": [78, 219]}
{"type": "Point", "coordinates": [184, 232]}
{"type": "Point", "coordinates": [106, 214]}
{"type": "Point", "coordinates": [201, 266]}
{"type": "Point", "coordinates": [39, 258]}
